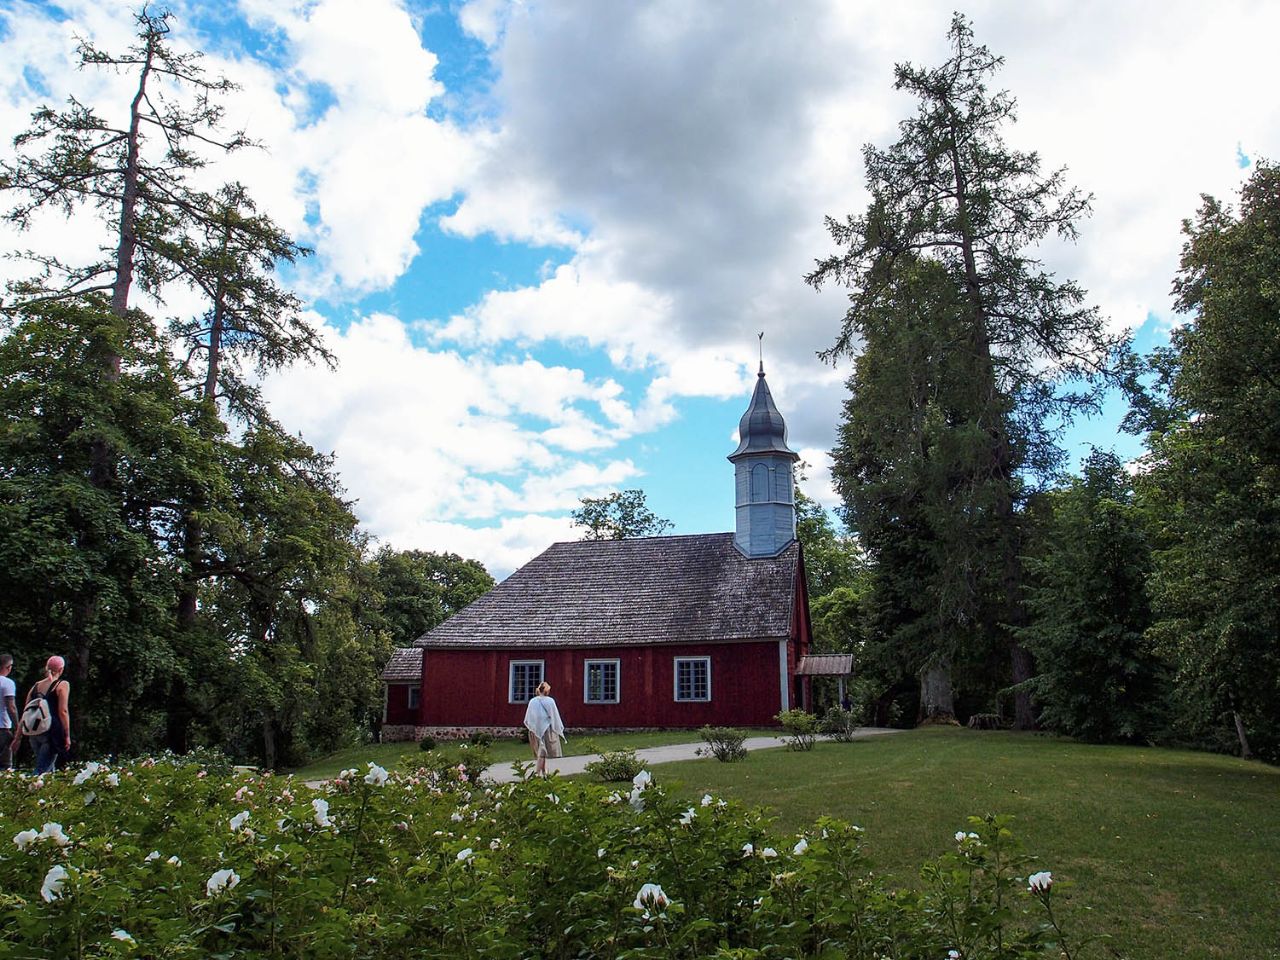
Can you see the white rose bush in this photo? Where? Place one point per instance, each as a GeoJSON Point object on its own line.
{"type": "Point", "coordinates": [178, 860]}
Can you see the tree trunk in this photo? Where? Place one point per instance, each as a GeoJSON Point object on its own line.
{"type": "Point", "coordinates": [1245, 752]}
{"type": "Point", "coordinates": [127, 240]}
{"type": "Point", "coordinates": [937, 698]}
{"type": "Point", "coordinates": [1023, 669]}
{"type": "Point", "coordinates": [269, 743]}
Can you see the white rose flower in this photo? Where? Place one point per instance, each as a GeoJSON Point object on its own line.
{"type": "Point", "coordinates": [51, 889]}
{"type": "Point", "coordinates": [1040, 882]}
{"type": "Point", "coordinates": [123, 936]}
{"type": "Point", "coordinates": [25, 838]}
{"type": "Point", "coordinates": [321, 807]}
{"type": "Point", "coordinates": [239, 820]}
{"type": "Point", "coordinates": [768, 853]}
{"type": "Point", "coordinates": [642, 779]}
{"type": "Point", "coordinates": [637, 799]}
{"type": "Point", "coordinates": [174, 861]}
{"type": "Point", "coordinates": [686, 818]}
{"type": "Point", "coordinates": [376, 776]}
{"type": "Point", "coordinates": [465, 854]}
{"type": "Point", "coordinates": [748, 849]}
{"type": "Point", "coordinates": [707, 800]}
{"type": "Point", "coordinates": [651, 897]}
{"type": "Point", "coordinates": [221, 880]}
{"type": "Point", "coordinates": [801, 847]}
{"type": "Point", "coordinates": [89, 770]}
{"type": "Point", "coordinates": [113, 780]}
{"type": "Point", "coordinates": [153, 855]}
{"type": "Point", "coordinates": [53, 831]}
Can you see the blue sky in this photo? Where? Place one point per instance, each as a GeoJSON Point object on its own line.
{"type": "Point", "coordinates": [547, 234]}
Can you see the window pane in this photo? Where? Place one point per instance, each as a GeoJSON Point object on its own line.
{"type": "Point", "coordinates": [693, 679]}
{"type": "Point", "coordinates": [602, 682]}
{"type": "Point", "coordinates": [525, 677]}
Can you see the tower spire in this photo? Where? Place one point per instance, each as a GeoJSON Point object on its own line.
{"type": "Point", "coordinates": [763, 476]}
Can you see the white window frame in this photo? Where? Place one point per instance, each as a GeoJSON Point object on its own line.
{"type": "Point", "coordinates": [413, 699]}
{"type": "Point", "coordinates": [511, 678]}
{"type": "Point", "coordinates": [675, 680]}
{"type": "Point", "coordinates": [617, 679]}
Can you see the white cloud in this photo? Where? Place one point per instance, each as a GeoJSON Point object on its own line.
{"type": "Point", "coordinates": [428, 438]}
{"type": "Point", "coordinates": [684, 156]}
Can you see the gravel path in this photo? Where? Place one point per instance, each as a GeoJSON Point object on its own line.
{"type": "Point", "coordinates": [506, 772]}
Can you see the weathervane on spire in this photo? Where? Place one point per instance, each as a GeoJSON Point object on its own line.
{"type": "Point", "coordinates": [761, 337]}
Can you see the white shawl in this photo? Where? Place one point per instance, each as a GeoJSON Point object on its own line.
{"type": "Point", "coordinates": [543, 715]}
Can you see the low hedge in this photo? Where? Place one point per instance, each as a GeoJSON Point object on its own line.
{"type": "Point", "coordinates": [164, 859]}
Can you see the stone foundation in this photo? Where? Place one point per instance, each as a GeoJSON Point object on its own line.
{"type": "Point", "coordinates": [393, 732]}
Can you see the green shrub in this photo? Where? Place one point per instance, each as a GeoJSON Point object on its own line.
{"type": "Point", "coordinates": [159, 859]}
{"type": "Point", "coordinates": [616, 765]}
{"type": "Point", "coordinates": [427, 743]}
{"type": "Point", "coordinates": [726, 744]}
{"type": "Point", "coordinates": [481, 738]}
{"type": "Point", "coordinates": [801, 728]}
{"type": "Point", "coordinates": [839, 724]}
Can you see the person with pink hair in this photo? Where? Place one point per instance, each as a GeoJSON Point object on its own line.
{"type": "Point", "coordinates": [54, 742]}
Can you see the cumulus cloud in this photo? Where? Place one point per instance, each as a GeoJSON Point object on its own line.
{"type": "Point", "coordinates": [701, 146]}
{"type": "Point", "coordinates": [681, 157]}
{"type": "Point", "coordinates": [444, 449]}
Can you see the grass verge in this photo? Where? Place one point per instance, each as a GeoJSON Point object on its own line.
{"type": "Point", "coordinates": [1171, 853]}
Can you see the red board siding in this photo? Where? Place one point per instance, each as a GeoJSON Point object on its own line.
{"type": "Point", "coordinates": [398, 704]}
{"type": "Point", "coordinates": [470, 687]}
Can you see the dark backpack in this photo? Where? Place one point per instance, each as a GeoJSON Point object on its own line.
{"type": "Point", "coordinates": [37, 716]}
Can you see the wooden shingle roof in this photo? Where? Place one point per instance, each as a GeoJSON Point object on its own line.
{"type": "Point", "coordinates": [650, 590]}
{"type": "Point", "coordinates": [405, 666]}
{"type": "Point", "coordinates": [825, 665]}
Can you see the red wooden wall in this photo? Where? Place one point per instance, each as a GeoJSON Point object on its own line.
{"type": "Point", "coordinates": [398, 711]}
{"type": "Point", "coordinates": [470, 687]}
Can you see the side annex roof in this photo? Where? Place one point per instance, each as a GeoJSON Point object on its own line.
{"type": "Point", "coordinates": [683, 589]}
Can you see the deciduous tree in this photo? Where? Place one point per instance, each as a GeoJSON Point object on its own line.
{"type": "Point", "coordinates": [1213, 483]}
{"type": "Point", "coordinates": [618, 516]}
{"type": "Point", "coordinates": [1089, 558]}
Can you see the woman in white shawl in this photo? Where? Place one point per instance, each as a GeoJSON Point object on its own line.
{"type": "Point", "coordinates": [546, 729]}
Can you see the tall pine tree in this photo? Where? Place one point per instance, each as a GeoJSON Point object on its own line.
{"type": "Point", "coordinates": [950, 191]}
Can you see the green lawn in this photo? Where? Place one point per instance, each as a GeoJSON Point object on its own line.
{"type": "Point", "coordinates": [503, 751]}
{"type": "Point", "coordinates": [1172, 853]}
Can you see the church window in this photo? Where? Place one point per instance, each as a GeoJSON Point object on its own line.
{"type": "Point", "coordinates": [525, 677]}
{"type": "Point", "coordinates": [759, 483]}
{"type": "Point", "coordinates": [600, 684]}
{"type": "Point", "coordinates": [693, 678]}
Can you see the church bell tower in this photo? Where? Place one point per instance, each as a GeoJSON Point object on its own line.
{"type": "Point", "coordinates": [764, 481]}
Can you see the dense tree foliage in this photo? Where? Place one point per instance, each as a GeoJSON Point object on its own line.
{"type": "Point", "coordinates": [420, 590]}
{"type": "Point", "coordinates": [618, 516]}
{"type": "Point", "coordinates": [197, 563]}
{"type": "Point", "coordinates": [1213, 480]}
{"type": "Point", "coordinates": [953, 219]}
{"type": "Point", "coordinates": [1089, 559]}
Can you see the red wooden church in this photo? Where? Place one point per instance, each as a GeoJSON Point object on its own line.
{"type": "Point", "coordinates": [652, 632]}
